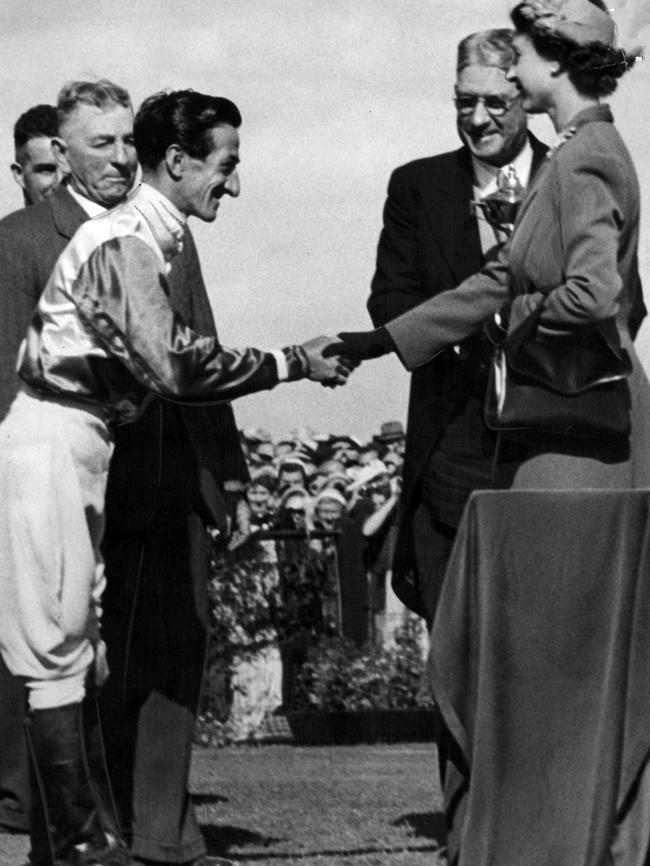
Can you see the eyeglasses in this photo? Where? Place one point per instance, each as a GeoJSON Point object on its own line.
{"type": "Point", "coordinates": [496, 106]}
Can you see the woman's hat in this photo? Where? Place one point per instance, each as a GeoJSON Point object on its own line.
{"type": "Point", "coordinates": [373, 470]}
{"type": "Point", "coordinates": [577, 20]}
{"type": "Point", "coordinates": [290, 493]}
{"type": "Point", "coordinates": [330, 493]}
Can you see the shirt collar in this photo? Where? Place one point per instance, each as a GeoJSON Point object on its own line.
{"type": "Point", "coordinates": [165, 220]}
{"type": "Point", "coordinates": [485, 175]}
{"type": "Point", "coordinates": [90, 207]}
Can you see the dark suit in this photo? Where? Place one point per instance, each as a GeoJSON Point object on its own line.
{"type": "Point", "coordinates": [165, 483]}
{"type": "Point", "coordinates": [430, 243]}
{"type": "Point", "coordinates": [31, 240]}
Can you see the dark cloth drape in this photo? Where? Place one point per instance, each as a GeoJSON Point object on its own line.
{"type": "Point", "coordinates": [540, 661]}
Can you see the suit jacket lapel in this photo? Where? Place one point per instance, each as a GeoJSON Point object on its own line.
{"type": "Point", "coordinates": [67, 213]}
{"type": "Point", "coordinates": [447, 203]}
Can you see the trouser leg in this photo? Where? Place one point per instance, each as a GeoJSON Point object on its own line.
{"type": "Point", "coordinates": [14, 775]}
{"type": "Point", "coordinates": [433, 543]}
{"type": "Point", "coordinates": [155, 629]}
{"type": "Point", "coordinates": [53, 467]}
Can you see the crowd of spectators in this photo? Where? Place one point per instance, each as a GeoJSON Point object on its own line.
{"type": "Point", "coordinates": [310, 552]}
{"type": "Point", "coordinates": [313, 481]}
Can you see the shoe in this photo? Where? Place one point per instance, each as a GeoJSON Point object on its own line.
{"type": "Point", "coordinates": [66, 826]}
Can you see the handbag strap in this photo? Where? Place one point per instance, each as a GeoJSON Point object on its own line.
{"type": "Point", "coordinates": [607, 330]}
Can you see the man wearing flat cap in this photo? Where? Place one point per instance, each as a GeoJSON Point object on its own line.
{"type": "Point", "coordinates": [391, 437]}
{"type": "Point", "coordinates": [430, 242]}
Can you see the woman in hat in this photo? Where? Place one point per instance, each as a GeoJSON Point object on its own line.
{"type": "Point", "coordinates": [570, 787]}
{"type": "Point", "coordinates": [572, 259]}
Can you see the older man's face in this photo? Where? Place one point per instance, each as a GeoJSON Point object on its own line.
{"type": "Point", "coordinates": [489, 115]}
{"type": "Point", "coordinates": [96, 148]}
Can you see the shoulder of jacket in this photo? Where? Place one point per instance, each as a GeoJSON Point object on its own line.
{"type": "Point", "coordinates": [598, 149]}
{"type": "Point", "coordinates": [441, 162]}
{"type": "Point", "coordinates": [22, 223]}
{"type": "Point", "coordinates": [113, 230]}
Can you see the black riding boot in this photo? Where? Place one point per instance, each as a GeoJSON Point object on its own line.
{"type": "Point", "coordinates": [66, 827]}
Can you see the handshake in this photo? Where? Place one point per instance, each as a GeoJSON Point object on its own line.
{"type": "Point", "coordinates": [330, 360]}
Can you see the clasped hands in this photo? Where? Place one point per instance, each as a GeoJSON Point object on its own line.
{"type": "Point", "coordinates": [331, 360]}
{"type": "Point", "coordinates": [326, 362]}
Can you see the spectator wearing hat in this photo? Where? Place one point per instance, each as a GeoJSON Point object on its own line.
{"type": "Point", "coordinates": [283, 447]}
{"type": "Point", "coordinates": [256, 678]}
{"type": "Point", "coordinates": [374, 497]}
{"type": "Point", "coordinates": [330, 467]}
{"type": "Point", "coordinates": [292, 507]}
{"type": "Point", "coordinates": [256, 510]}
{"type": "Point", "coordinates": [346, 449]}
{"type": "Point", "coordinates": [329, 513]}
{"type": "Point", "coordinates": [329, 506]}
{"type": "Point", "coordinates": [391, 437]}
{"type": "Point", "coordinates": [337, 480]}
{"type": "Point", "coordinates": [260, 454]}
{"type": "Point", "coordinates": [352, 571]}
{"type": "Point", "coordinates": [394, 463]}
{"type": "Point", "coordinates": [379, 530]}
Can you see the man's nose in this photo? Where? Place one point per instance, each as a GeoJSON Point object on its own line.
{"type": "Point", "coordinates": [479, 116]}
{"type": "Point", "coordinates": [121, 153]}
{"type": "Point", "coordinates": [232, 185]}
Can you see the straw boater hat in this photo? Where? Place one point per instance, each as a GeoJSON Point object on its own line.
{"type": "Point", "coordinates": [373, 470]}
{"type": "Point", "coordinates": [330, 493]}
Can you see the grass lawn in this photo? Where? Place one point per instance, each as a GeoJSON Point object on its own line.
{"type": "Point", "coordinates": [328, 806]}
{"type": "Point", "coordinates": [341, 806]}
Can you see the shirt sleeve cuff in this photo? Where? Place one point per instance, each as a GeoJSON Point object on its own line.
{"type": "Point", "coordinates": [281, 364]}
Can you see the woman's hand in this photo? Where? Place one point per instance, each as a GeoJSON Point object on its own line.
{"type": "Point", "coordinates": [364, 345]}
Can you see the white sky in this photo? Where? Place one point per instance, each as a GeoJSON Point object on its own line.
{"type": "Point", "coordinates": [334, 95]}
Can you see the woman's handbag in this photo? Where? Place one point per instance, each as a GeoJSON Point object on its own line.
{"type": "Point", "coordinates": [572, 385]}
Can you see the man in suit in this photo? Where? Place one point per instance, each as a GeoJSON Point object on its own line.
{"type": "Point", "coordinates": [169, 475]}
{"type": "Point", "coordinates": [430, 242]}
{"type": "Point", "coordinates": [101, 170]}
{"type": "Point", "coordinates": [35, 168]}
{"type": "Point", "coordinates": [37, 173]}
